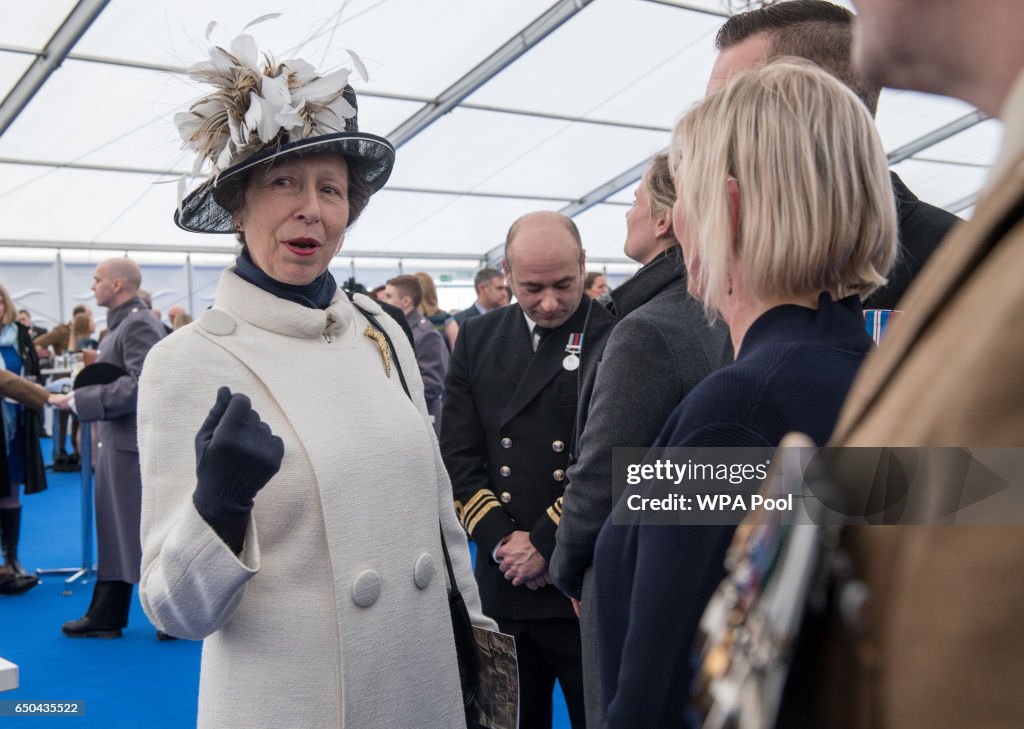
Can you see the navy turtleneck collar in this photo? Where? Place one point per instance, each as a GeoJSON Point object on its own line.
{"type": "Point", "coordinates": [834, 323]}
{"type": "Point", "coordinates": [317, 294]}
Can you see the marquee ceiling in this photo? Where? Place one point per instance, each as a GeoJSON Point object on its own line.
{"type": "Point", "coordinates": [497, 107]}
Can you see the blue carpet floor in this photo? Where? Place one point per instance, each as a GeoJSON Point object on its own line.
{"type": "Point", "coordinates": [135, 681]}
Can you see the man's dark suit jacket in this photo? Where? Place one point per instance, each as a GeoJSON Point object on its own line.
{"type": "Point", "coordinates": [922, 229]}
{"type": "Point", "coordinates": [506, 433]}
{"type": "Point", "coordinates": [461, 317]}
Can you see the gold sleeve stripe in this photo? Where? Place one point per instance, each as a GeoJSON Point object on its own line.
{"type": "Point", "coordinates": [478, 498]}
{"type": "Point", "coordinates": [555, 516]}
{"type": "Point", "coordinates": [489, 504]}
{"type": "Point", "coordinates": [483, 501]}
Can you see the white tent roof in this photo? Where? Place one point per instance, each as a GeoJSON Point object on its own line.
{"type": "Point", "coordinates": [497, 108]}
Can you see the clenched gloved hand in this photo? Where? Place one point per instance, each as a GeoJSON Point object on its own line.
{"type": "Point", "coordinates": [236, 456]}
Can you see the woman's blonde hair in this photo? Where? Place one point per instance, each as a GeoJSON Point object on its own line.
{"type": "Point", "coordinates": [428, 304]}
{"type": "Point", "coordinates": [10, 312]}
{"type": "Point", "coordinates": [816, 206]}
{"type": "Point", "coordinates": [80, 327]}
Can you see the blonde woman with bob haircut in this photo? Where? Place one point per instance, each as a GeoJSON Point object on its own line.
{"type": "Point", "coordinates": [786, 218]}
{"type": "Point", "coordinates": [774, 225]}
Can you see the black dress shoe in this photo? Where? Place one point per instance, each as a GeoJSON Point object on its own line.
{"type": "Point", "coordinates": [86, 627]}
{"type": "Point", "coordinates": [161, 635]}
{"type": "Point", "coordinates": [15, 584]}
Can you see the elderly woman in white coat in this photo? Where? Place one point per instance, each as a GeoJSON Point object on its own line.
{"type": "Point", "coordinates": [294, 497]}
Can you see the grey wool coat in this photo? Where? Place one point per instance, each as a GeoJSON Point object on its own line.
{"type": "Point", "coordinates": [132, 330]}
{"type": "Point", "coordinates": [660, 348]}
{"type": "Point", "coordinates": [335, 613]}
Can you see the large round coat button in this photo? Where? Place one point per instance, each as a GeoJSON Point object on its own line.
{"type": "Point", "coordinates": [506, 442]}
{"type": "Point", "coordinates": [559, 474]}
{"type": "Point", "coordinates": [506, 497]}
{"type": "Point", "coordinates": [217, 322]}
{"type": "Point", "coordinates": [423, 572]}
{"type": "Point", "coordinates": [366, 588]}
{"type": "Point", "coordinates": [558, 446]}
{"type": "Point", "coordinates": [505, 471]}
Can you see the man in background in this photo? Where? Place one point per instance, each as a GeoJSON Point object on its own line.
{"type": "Point", "coordinates": [490, 294]}
{"type": "Point", "coordinates": [173, 312]}
{"type": "Point", "coordinates": [132, 330]}
{"type": "Point", "coordinates": [822, 32]}
{"type": "Point", "coordinates": [405, 292]}
{"type": "Point", "coordinates": [509, 409]}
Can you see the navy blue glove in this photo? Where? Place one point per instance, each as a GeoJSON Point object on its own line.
{"type": "Point", "coordinates": [236, 456]}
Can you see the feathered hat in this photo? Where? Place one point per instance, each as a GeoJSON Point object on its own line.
{"type": "Point", "coordinates": [258, 112]}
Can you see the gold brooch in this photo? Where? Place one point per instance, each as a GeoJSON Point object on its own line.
{"type": "Point", "coordinates": [382, 345]}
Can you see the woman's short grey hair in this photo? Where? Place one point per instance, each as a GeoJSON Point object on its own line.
{"type": "Point", "coordinates": [660, 185]}
{"type": "Point", "coordinates": [230, 195]}
{"type": "Point", "coordinates": [816, 206]}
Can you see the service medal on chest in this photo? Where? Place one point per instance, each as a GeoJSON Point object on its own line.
{"type": "Point", "coordinates": [574, 347]}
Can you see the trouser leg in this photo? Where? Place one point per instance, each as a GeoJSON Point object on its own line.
{"type": "Point", "coordinates": [107, 613]}
{"type": "Point", "coordinates": [588, 643]}
{"type": "Point", "coordinates": [536, 678]}
{"type": "Point", "coordinates": [558, 640]}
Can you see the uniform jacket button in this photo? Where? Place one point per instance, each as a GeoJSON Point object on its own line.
{"type": "Point", "coordinates": [505, 471]}
{"type": "Point", "coordinates": [99, 444]}
{"type": "Point", "coordinates": [559, 474]}
{"type": "Point", "coordinates": [366, 588]}
{"type": "Point", "coordinates": [506, 442]}
{"type": "Point", "coordinates": [558, 446]}
{"type": "Point", "coordinates": [506, 497]}
{"type": "Point", "coordinates": [423, 572]}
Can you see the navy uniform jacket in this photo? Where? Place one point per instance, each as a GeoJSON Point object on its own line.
{"type": "Point", "coordinates": [922, 228]}
{"type": "Point", "coordinates": [505, 438]}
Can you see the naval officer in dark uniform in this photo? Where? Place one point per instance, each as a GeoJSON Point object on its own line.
{"type": "Point", "coordinates": [509, 407]}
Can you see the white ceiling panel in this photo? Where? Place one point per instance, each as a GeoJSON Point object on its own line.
{"type": "Point", "coordinates": [31, 24]}
{"type": "Point", "coordinates": [587, 103]}
{"type": "Point", "coordinates": [978, 145]}
{"type": "Point", "coordinates": [520, 155]}
{"type": "Point", "coordinates": [409, 46]}
{"type": "Point", "coordinates": [88, 206]}
{"type": "Point", "coordinates": [618, 60]}
{"type": "Point", "coordinates": [12, 66]}
{"type": "Point", "coordinates": [941, 184]}
{"type": "Point", "coordinates": [904, 116]}
{"type": "Point", "coordinates": [603, 229]}
{"type": "Point", "coordinates": [83, 106]}
{"type": "Point", "coordinates": [413, 222]}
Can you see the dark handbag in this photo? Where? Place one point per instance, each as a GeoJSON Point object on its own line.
{"type": "Point", "coordinates": [465, 645]}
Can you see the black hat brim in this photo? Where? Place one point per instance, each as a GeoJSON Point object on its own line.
{"type": "Point", "coordinates": [370, 156]}
{"type": "Point", "coordinates": [98, 373]}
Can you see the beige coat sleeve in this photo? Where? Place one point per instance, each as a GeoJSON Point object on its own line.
{"type": "Point", "coordinates": [20, 389]}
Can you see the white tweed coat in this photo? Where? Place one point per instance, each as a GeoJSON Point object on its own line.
{"type": "Point", "coordinates": [335, 614]}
